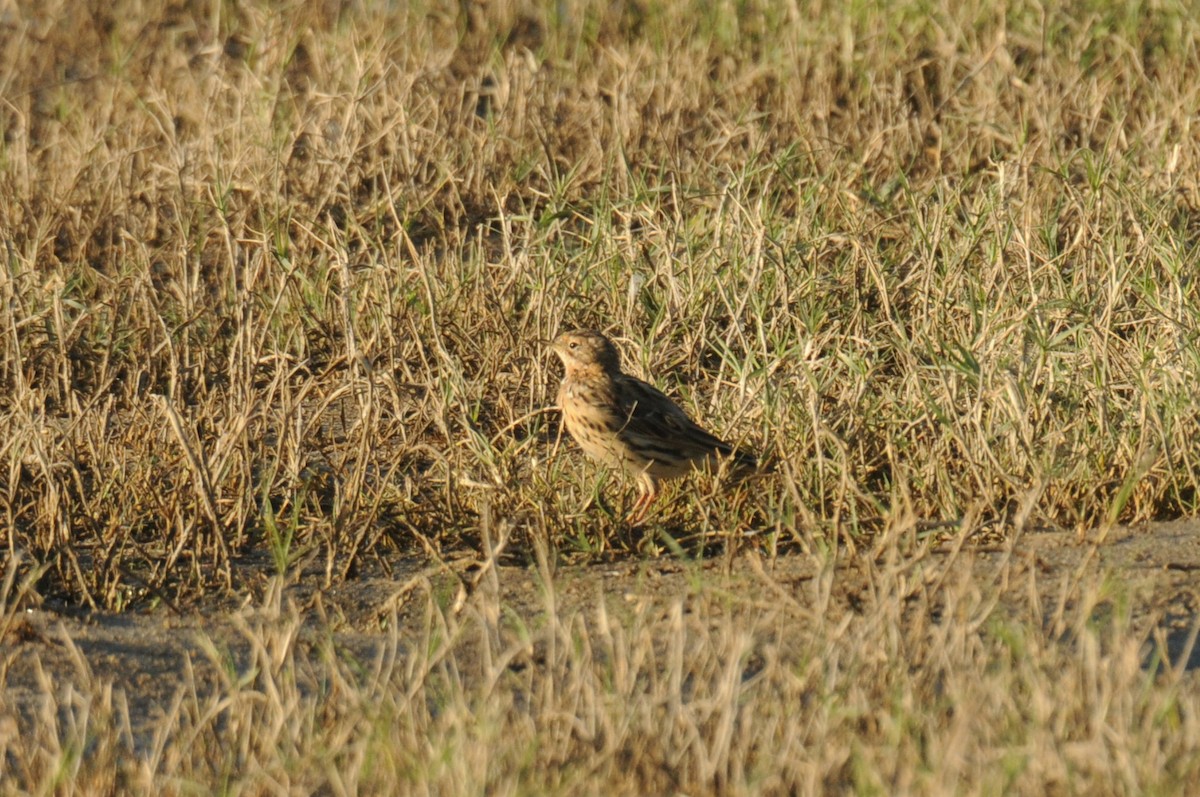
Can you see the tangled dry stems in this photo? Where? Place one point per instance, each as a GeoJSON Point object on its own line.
{"type": "Point", "coordinates": [756, 682]}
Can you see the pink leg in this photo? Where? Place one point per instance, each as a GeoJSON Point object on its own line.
{"type": "Point", "coordinates": [638, 513]}
{"type": "Point", "coordinates": [649, 491]}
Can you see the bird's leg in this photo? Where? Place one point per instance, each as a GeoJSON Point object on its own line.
{"type": "Point", "coordinates": [635, 512]}
{"type": "Point", "coordinates": [648, 491]}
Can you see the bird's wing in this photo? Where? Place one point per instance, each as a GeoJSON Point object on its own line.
{"type": "Point", "coordinates": [655, 423]}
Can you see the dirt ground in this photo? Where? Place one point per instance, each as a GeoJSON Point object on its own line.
{"type": "Point", "coordinates": [147, 656]}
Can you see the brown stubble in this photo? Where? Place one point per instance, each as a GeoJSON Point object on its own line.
{"type": "Point", "coordinates": [947, 280]}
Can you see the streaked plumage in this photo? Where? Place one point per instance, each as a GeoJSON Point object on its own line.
{"type": "Point", "coordinates": [627, 423]}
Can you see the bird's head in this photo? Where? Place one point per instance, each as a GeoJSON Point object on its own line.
{"type": "Point", "coordinates": [586, 349]}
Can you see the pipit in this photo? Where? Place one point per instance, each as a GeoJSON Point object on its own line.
{"type": "Point", "coordinates": [627, 423]}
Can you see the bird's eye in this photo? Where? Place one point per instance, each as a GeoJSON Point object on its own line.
{"type": "Point", "coordinates": [572, 345]}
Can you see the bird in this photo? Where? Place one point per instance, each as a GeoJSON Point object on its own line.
{"type": "Point", "coordinates": [624, 422]}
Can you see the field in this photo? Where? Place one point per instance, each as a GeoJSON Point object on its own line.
{"type": "Point", "coordinates": [286, 507]}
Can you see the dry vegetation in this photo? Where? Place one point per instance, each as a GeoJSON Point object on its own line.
{"type": "Point", "coordinates": [277, 277]}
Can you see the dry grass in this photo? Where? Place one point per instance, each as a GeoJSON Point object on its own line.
{"type": "Point", "coordinates": [300, 260]}
{"type": "Point", "coordinates": [276, 277]}
{"type": "Point", "coordinates": [745, 684]}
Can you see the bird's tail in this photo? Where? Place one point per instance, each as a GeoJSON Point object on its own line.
{"type": "Point", "coordinates": [744, 461]}
{"type": "Point", "coordinates": [741, 465]}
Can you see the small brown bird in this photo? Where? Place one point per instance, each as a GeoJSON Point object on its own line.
{"type": "Point", "coordinates": [625, 422]}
